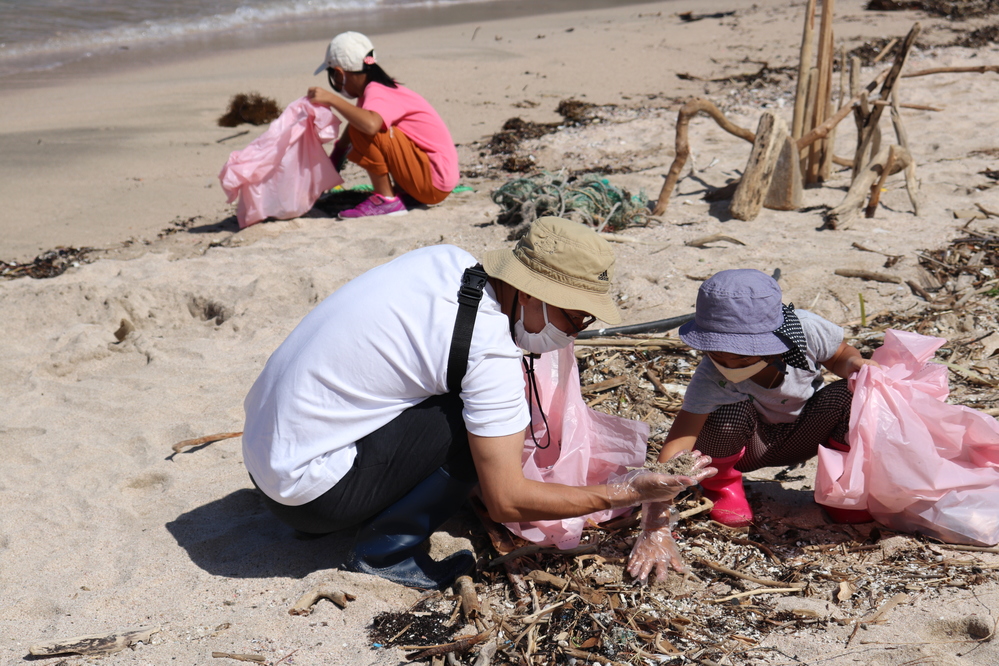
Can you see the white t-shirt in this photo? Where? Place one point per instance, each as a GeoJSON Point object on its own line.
{"type": "Point", "coordinates": [709, 390]}
{"type": "Point", "coordinates": [374, 348]}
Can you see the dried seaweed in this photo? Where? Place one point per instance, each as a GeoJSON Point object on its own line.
{"type": "Point", "coordinates": [953, 9]}
{"type": "Point", "coordinates": [250, 108]}
{"type": "Point", "coordinates": [48, 264]}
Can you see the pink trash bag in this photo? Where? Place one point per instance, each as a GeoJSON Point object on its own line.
{"type": "Point", "coordinates": [283, 171]}
{"type": "Point", "coordinates": [587, 447]}
{"type": "Point", "coordinates": [915, 462]}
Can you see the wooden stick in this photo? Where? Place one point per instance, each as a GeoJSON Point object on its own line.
{"type": "Point", "coordinates": [687, 111]}
{"type": "Point", "coordinates": [884, 51]}
{"type": "Point", "coordinates": [813, 91]}
{"type": "Point", "coordinates": [739, 574]}
{"type": "Point", "coordinates": [95, 643]}
{"type": "Point", "coordinates": [305, 602]}
{"type": "Point", "coordinates": [463, 644]}
{"type": "Point", "coordinates": [470, 606]}
{"type": "Point", "coordinates": [911, 184]}
{"type": "Point", "coordinates": [207, 439]}
{"type": "Point", "coordinates": [872, 206]}
{"type": "Point", "coordinates": [823, 130]}
{"type": "Point", "coordinates": [804, 67]}
{"type": "Point", "coordinates": [816, 154]}
{"type": "Point", "coordinates": [875, 116]}
{"type": "Point", "coordinates": [751, 593]}
{"type": "Point", "coordinates": [713, 238]}
{"type": "Point", "coordinates": [860, 187]}
{"type": "Point", "coordinates": [258, 658]}
{"type": "Point", "coordinates": [867, 275]}
{"type": "Point", "coordinates": [956, 70]}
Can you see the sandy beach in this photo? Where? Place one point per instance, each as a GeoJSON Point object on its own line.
{"type": "Point", "coordinates": [103, 527]}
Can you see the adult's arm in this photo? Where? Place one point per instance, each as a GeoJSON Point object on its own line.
{"type": "Point", "coordinates": [510, 497]}
{"type": "Point", "coordinates": [846, 361]}
{"type": "Point", "coordinates": [363, 120]}
{"type": "Point", "coordinates": [682, 434]}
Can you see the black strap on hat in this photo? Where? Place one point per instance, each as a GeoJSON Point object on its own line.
{"type": "Point", "coordinates": [473, 282]}
{"type": "Point", "coordinates": [791, 334]}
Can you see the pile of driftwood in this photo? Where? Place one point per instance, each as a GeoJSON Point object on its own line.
{"type": "Point", "coordinates": [784, 159]}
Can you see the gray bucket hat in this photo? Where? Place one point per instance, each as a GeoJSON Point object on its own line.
{"type": "Point", "coordinates": [738, 311]}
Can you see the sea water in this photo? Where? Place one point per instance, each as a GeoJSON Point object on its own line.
{"type": "Point", "coordinates": [46, 34]}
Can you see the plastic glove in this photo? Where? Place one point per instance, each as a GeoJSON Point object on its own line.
{"type": "Point", "coordinates": [640, 485]}
{"type": "Point", "coordinates": [655, 547]}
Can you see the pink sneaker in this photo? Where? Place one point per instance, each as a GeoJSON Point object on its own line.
{"type": "Point", "coordinates": [376, 204]}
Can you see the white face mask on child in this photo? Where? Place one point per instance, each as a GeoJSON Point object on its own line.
{"type": "Point", "coordinates": [739, 374]}
{"type": "Point", "coordinates": [549, 339]}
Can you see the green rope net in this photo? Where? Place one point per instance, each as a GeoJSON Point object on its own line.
{"type": "Point", "coordinates": [590, 200]}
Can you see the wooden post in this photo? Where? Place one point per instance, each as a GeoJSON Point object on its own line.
{"type": "Point", "coordinates": [813, 87]}
{"type": "Point", "coordinates": [771, 135]}
{"type": "Point", "coordinates": [785, 187]}
{"type": "Point", "coordinates": [911, 184]}
{"type": "Point", "coordinates": [804, 67]}
{"type": "Point", "coordinates": [816, 154]}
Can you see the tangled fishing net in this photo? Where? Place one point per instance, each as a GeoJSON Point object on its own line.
{"type": "Point", "coordinates": [590, 200]}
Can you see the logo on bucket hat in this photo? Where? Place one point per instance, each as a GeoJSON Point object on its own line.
{"type": "Point", "coordinates": [561, 262]}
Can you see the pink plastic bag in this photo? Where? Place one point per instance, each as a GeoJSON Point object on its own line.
{"type": "Point", "coordinates": [587, 447]}
{"type": "Point", "coordinates": [283, 171]}
{"type": "Point", "coordinates": [915, 462]}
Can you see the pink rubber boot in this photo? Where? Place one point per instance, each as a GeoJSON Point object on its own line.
{"type": "Point", "coordinates": [845, 516]}
{"type": "Point", "coordinates": [726, 491]}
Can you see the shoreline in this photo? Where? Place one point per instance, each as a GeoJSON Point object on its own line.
{"type": "Point", "coordinates": [40, 70]}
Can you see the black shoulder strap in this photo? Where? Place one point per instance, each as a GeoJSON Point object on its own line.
{"type": "Point", "coordinates": [473, 282]}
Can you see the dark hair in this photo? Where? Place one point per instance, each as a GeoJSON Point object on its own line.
{"type": "Point", "coordinates": [378, 75]}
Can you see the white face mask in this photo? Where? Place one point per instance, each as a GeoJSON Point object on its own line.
{"type": "Point", "coordinates": [549, 339]}
{"type": "Point", "coordinates": [739, 374]}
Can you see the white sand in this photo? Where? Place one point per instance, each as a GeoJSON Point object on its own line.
{"type": "Point", "coordinates": [102, 529]}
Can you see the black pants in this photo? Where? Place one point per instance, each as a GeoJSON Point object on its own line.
{"type": "Point", "coordinates": [732, 428]}
{"type": "Point", "coordinates": [389, 463]}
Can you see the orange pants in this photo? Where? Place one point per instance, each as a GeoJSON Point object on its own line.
{"type": "Point", "coordinates": [392, 152]}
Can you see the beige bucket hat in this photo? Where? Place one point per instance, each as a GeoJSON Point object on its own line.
{"type": "Point", "coordinates": [563, 263]}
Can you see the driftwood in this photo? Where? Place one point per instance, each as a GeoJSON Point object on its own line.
{"type": "Point", "coordinates": [463, 644]}
{"type": "Point", "coordinates": [872, 205]}
{"type": "Point", "coordinates": [258, 658]}
{"type": "Point", "coordinates": [305, 602]}
{"type": "Point", "coordinates": [982, 69]}
{"type": "Point", "coordinates": [851, 105]}
{"type": "Point", "coordinates": [861, 186]}
{"type": "Point", "coordinates": [785, 191]}
{"type": "Point", "coordinates": [688, 111]}
{"type": "Point", "coordinates": [208, 439]}
{"type": "Point", "coordinates": [911, 184]}
{"type": "Point", "coordinates": [771, 134]}
{"type": "Point", "coordinates": [874, 118]}
{"type": "Point", "coordinates": [804, 66]}
{"type": "Point", "coordinates": [868, 275]}
{"type": "Point", "coordinates": [470, 606]}
{"type": "Point", "coordinates": [823, 90]}
{"type": "Point", "coordinates": [95, 643]}
{"type": "Point", "coordinates": [713, 238]}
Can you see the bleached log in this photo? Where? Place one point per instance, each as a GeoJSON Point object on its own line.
{"type": "Point", "coordinates": [771, 135]}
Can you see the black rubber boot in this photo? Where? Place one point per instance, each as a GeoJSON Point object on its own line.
{"type": "Point", "coordinates": [388, 545]}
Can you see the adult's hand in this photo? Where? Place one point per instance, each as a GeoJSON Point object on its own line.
{"type": "Point", "coordinates": [655, 547]}
{"type": "Point", "coordinates": [641, 485]}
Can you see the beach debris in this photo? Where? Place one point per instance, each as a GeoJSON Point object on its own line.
{"type": "Point", "coordinates": [52, 263]}
{"type": "Point", "coordinates": [590, 200]}
{"type": "Point", "coordinates": [516, 130]}
{"type": "Point", "coordinates": [95, 643]}
{"type": "Point", "coordinates": [871, 176]}
{"type": "Point", "coordinates": [322, 591]}
{"type": "Point", "coordinates": [682, 144]}
{"type": "Point", "coordinates": [123, 330]}
{"type": "Point", "coordinates": [207, 439]}
{"type": "Point", "coordinates": [771, 135]}
{"type": "Point", "coordinates": [256, 658]}
{"type": "Point", "coordinates": [868, 275]}
{"type": "Point", "coordinates": [952, 9]}
{"type": "Point", "coordinates": [232, 136]}
{"type": "Point", "coordinates": [252, 108]}
{"type": "Point", "coordinates": [690, 17]}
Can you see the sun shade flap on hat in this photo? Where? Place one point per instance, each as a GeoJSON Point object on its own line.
{"type": "Point", "coordinates": [562, 263]}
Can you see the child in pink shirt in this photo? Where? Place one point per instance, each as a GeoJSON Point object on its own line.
{"type": "Point", "coordinates": [394, 134]}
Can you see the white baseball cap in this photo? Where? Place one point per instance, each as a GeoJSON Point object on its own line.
{"type": "Point", "coordinates": [348, 50]}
